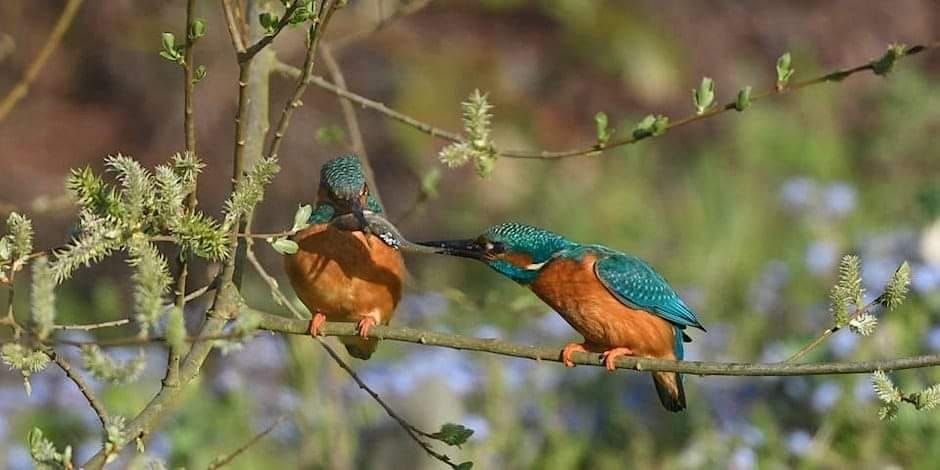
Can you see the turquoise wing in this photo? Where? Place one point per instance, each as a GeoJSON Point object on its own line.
{"type": "Point", "coordinates": [638, 286]}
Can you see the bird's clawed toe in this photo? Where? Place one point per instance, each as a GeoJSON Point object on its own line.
{"type": "Point", "coordinates": [610, 356]}
{"type": "Point", "coordinates": [568, 350]}
{"type": "Point", "coordinates": [315, 323]}
{"type": "Point", "coordinates": [364, 325]}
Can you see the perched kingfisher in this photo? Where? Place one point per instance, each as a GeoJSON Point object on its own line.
{"type": "Point", "coordinates": [618, 302]}
{"type": "Point", "coordinates": [340, 275]}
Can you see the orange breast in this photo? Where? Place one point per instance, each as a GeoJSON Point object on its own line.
{"type": "Point", "coordinates": [571, 288]}
{"type": "Point", "coordinates": [337, 273]}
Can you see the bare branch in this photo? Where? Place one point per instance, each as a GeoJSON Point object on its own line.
{"type": "Point", "coordinates": [352, 122]}
{"type": "Point", "coordinates": [32, 71]}
{"type": "Point", "coordinates": [82, 386]}
{"type": "Point", "coordinates": [93, 326]}
{"type": "Point", "coordinates": [595, 149]}
{"type": "Point", "coordinates": [825, 334]}
{"type": "Point", "coordinates": [226, 459]}
{"type": "Point", "coordinates": [405, 9]}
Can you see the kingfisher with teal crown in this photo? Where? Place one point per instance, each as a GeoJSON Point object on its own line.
{"type": "Point", "coordinates": [346, 275]}
{"type": "Point", "coordinates": [618, 302]}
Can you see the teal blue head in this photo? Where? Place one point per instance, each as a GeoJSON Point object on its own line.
{"type": "Point", "coordinates": [517, 251]}
{"type": "Point", "coordinates": [343, 186]}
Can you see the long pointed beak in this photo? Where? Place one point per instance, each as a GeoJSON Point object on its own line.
{"type": "Point", "coordinates": [356, 210]}
{"type": "Point", "coordinates": [462, 248]}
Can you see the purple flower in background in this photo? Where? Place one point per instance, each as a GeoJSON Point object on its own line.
{"type": "Point", "coordinates": [798, 193]}
{"type": "Point", "coordinates": [862, 391]}
{"type": "Point", "coordinates": [925, 278]}
{"type": "Point", "coordinates": [489, 332]}
{"type": "Point", "coordinates": [843, 344]}
{"type": "Point", "coordinates": [764, 293]}
{"type": "Point", "coordinates": [932, 339]}
{"type": "Point", "coordinates": [799, 442]}
{"type": "Point", "coordinates": [553, 325]}
{"type": "Point", "coordinates": [18, 458]}
{"type": "Point", "coordinates": [877, 271]}
{"type": "Point", "coordinates": [821, 256]}
{"type": "Point", "coordinates": [751, 435]}
{"type": "Point", "coordinates": [743, 458]}
{"type": "Point", "coordinates": [825, 396]}
{"type": "Point", "coordinates": [839, 199]}
{"type": "Point", "coordinates": [423, 306]}
{"type": "Point", "coordinates": [795, 387]}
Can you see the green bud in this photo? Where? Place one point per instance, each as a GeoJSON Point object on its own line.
{"type": "Point", "coordinates": [197, 29]}
{"type": "Point", "coordinates": [784, 71]}
{"type": "Point", "coordinates": [744, 99]}
{"type": "Point", "coordinates": [285, 246]}
{"type": "Point", "coordinates": [302, 216]}
{"type": "Point", "coordinates": [704, 96]}
{"type": "Point", "coordinates": [885, 64]}
{"type": "Point", "coordinates": [603, 132]}
{"type": "Point", "coordinates": [199, 73]}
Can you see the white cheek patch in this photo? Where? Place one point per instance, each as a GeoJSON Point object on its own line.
{"type": "Point", "coordinates": [535, 266]}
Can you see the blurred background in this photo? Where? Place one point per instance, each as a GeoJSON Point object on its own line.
{"type": "Point", "coordinates": [746, 214]}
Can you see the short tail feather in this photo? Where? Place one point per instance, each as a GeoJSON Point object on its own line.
{"type": "Point", "coordinates": [670, 390]}
{"type": "Point", "coordinates": [360, 348]}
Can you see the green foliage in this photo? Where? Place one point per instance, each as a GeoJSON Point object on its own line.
{"type": "Point", "coordinates": [703, 97]}
{"type": "Point", "coordinates": [269, 22]}
{"type": "Point", "coordinates": [430, 182]}
{"type": "Point", "coordinates": [170, 50]}
{"type": "Point", "coordinates": [892, 396]}
{"type": "Point", "coordinates": [249, 190]}
{"type": "Point", "coordinates": [330, 134]}
{"type": "Point", "coordinates": [151, 281]}
{"type": "Point", "coordinates": [175, 329]}
{"type": "Point", "coordinates": [104, 367]}
{"type": "Point", "coordinates": [197, 29]}
{"type": "Point", "coordinates": [42, 299]}
{"type": "Point", "coordinates": [863, 325]}
{"type": "Point", "coordinates": [896, 289]}
{"type": "Point", "coordinates": [198, 234]}
{"type": "Point", "coordinates": [285, 246]}
{"type": "Point", "coordinates": [603, 131]}
{"type": "Point", "coordinates": [98, 238]}
{"type": "Point", "coordinates": [847, 293]}
{"type": "Point", "coordinates": [784, 70]}
{"type": "Point", "coordinates": [651, 126]}
{"type": "Point", "coordinates": [743, 101]}
{"type": "Point", "coordinates": [478, 146]}
{"type": "Point", "coordinates": [114, 435]}
{"type": "Point", "coordinates": [138, 190]}
{"type": "Point", "coordinates": [301, 216]}
{"type": "Point", "coordinates": [92, 193]}
{"type": "Point", "coordinates": [453, 434]}
{"type": "Point", "coordinates": [44, 454]}
{"type": "Point", "coordinates": [884, 65]}
{"type": "Point", "coordinates": [27, 361]}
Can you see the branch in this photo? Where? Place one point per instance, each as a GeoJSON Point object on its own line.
{"type": "Point", "coordinates": [826, 334]}
{"type": "Point", "coordinates": [595, 149]}
{"type": "Point", "coordinates": [281, 324]}
{"type": "Point", "coordinates": [225, 460]}
{"type": "Point", "coordinates": [320, 24]}
{"type": "Point", "coordinates": [82, 387]}
{"type": "Point", "coordinates": [254, 49]}
{"type": "Point", "coordinates": [32, 71]}
{"type": "Point", "coordinates": [93, 326]}
{"type": "Point", "coordinates": [404, 9]}
{"type": "Point", "coordinates": [413, 432]}
{"type": "Point", "coordinates": [234, 31]}
{"type": "Point", "coordinates": [352, 122]}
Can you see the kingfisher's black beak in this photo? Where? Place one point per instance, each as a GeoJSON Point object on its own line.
{"type": "Point", "coordinates": [463, 248]}
{"type": "Point", "coordinates": [356, 208]}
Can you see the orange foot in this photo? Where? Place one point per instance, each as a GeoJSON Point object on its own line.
{"type": "Point", "coordinates": [568, 349]}
{"type": "Point", "coordinates": [315, 323]}
{"type": "Point", "coordinates": [364, 325]}
{"type": "Point", "coordinates": [610, 356]}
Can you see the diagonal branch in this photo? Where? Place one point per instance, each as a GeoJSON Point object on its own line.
{"type": "Point", "coordinates": [55, 37]}
{"type": "Point", "coordinates": [405, 9]}
{"type": "Point", "coordinates": [226, 459]}
{"type": "Point", "coordinates": [595, 149]}
{"type": "Point", "coordinates": [82, 386]}
{"type": "Point", "coordinates": [254, 49]}
{"type": "Point", "coordinates": [352, 122]}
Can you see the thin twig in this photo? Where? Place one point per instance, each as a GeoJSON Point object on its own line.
{"type": "Point", "coordinates": [280, 298]}
{"type": "Point", "coordinates": [32, 71]}
{"type": "Point", "coordinates": [230, 8]}
{"type": "Point", "coordinates": [320, 23]}
{"type": "Point", "coordinates": [252, 50]}
{"type": "Point", "coordinates": [404, 9]}
{"type": "Point", "coordinates": [826, 334]}
{"type": "Point", "coordinates": [352, 122]}
{"type": "Point", "coordinates": [82, 386]}
{"type": "Point", "coordinates": [226, 459]}
{"type": "Point", "coordinates": [93, 326]}
{"type": "Point", "coordinates": [594, 149]}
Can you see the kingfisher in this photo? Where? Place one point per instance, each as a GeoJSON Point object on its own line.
{"type": "Point", "coordinates": [618, 302]}
{"type": "Point", "coordinates": [346, 275]}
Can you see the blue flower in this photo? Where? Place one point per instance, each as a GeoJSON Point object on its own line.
{"type": "Point", "coordinates": [798, 193]}
{"type": "Point", "coordinates": [479, 424]}
{"type": "Point", "coordinates": [821, 256]}
{"type": "Point", "coordinates": [799, 442]}
{"type": "Point", "coordinates": [743, 458]}
{"type": "Point", "coordinates": [839, 199]}
{"type": "Point", "coordinates": [825, 396]}
{"type": "Point", "coordinates": [932, 339]}
{"type": "Point", "coordinates": [843, 344]}
{"type": "Point", "coordinates": [925, 278]}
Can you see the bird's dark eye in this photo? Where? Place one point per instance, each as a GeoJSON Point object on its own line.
{"type": "Point", "coordinates": [497, 248]}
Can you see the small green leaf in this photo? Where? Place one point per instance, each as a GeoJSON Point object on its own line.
{"type": "Point", "coordinates": [784, 71]}
{"type": "Point", "coordinates": [884, 65]}
{"type": "Point", "coordinates": [744, 99]}
{"type": "Point", "coordinates": [268, 22]}
{"type": "Point", "coordinates": [197, 29]}
{"type": "Point", "coordinates": [430, 182]}
{"type": "Point", "coordinates": [285, 246]}
{"type": "Point", "coordinates": [651, 125]}
{"type": "Point", "coordinates": [302, 216]}
{"type": "Point", "coordinates": [603, 132]}
{"type": "Point", "coordinates": [453, 434]}
{"type": "Point", "coordinates": [6, 249]}
{"type": "Point", "coordinates": [464, 466]}
{"type": "Point", "coordinates": [199, 73]}
{"type": "Point", "coordinates": [703, 97]}
{"type": "Point", "coordinates": [175, 329]}
{"type": "Point", "coordinates": [168, 40]}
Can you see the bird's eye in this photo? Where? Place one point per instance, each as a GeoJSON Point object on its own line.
{"type": "Point", "coordinates": [489, 246]}
{"type": "Point", "coordinates": [497, 248]}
